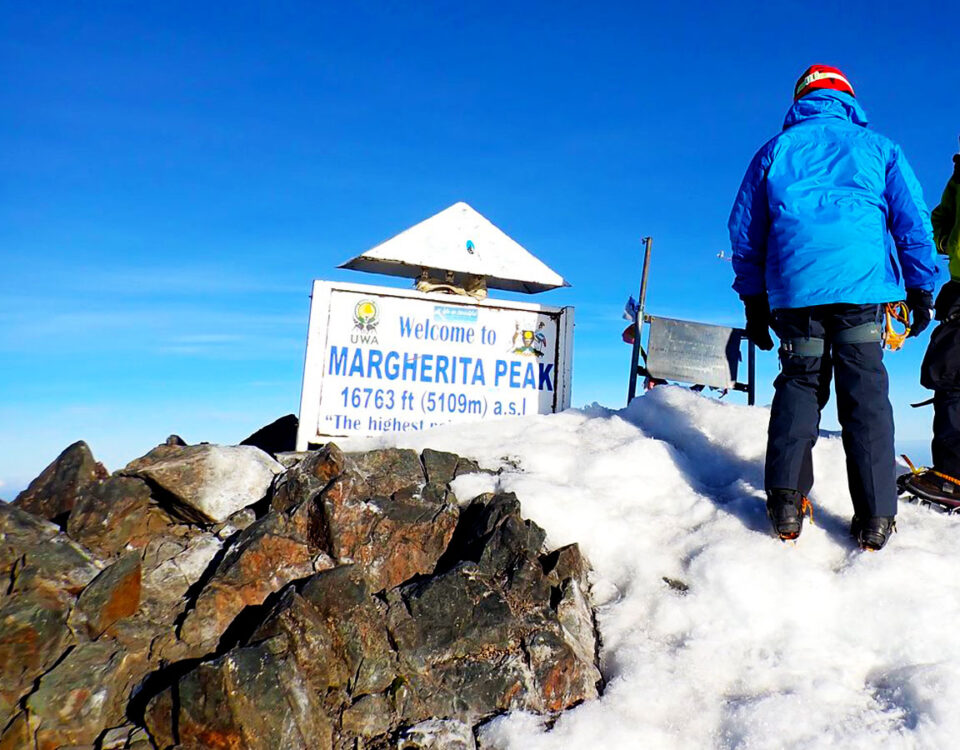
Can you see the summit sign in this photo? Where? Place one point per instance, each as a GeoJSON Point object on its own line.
{"type": "Point", "coordinates": [392, 360]}
{"type": "Point", "coordinates": [381, 359]}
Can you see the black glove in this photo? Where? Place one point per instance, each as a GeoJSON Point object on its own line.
{"type": "Point", "coordinates": [757, 310]}
{"type": "Point", "coordinates": [919, 301]}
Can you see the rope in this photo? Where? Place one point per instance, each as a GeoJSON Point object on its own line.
{"type": "Point", "coordinates": [899, 312]}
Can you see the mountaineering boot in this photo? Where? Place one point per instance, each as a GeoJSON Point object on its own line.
{"type": "Point", "coordinates": [932, 486]}
{"type": "Point", "coordinates": [785, 509]}
{"type": "Point", "coordinates": [856, 523]}
{"type": "Point", "coordinates": [875, 531]}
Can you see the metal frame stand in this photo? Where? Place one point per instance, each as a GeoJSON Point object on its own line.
{"type": "Point", "coordinates": [750, 387]}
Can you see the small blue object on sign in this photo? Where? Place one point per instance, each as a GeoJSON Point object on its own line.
{"type": "Point", "coordinates": [469, 246]}
{"type": "Point", "coordinates": [454, 314]}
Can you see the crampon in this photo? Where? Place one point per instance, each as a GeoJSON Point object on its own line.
{"type": "Point", "coordinates": [786, 509]}
{"type": "Point", "coordinates": [930, 487]}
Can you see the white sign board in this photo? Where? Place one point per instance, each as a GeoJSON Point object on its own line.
{"type": "Point", "coordinates": [381, 359]}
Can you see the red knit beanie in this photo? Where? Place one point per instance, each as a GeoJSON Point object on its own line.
{"type": "Point", "coordinates": [821, 77]}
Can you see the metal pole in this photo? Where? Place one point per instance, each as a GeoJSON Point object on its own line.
{"type": "Point", "coordinates": [638, 320]}
{"type": "Point", "coordinates": [751, 373]}
{"type": "Point", "coordinates": [648, 242]}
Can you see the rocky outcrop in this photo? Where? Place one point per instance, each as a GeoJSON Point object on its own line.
{"type": "Point", "coordinates": [44, 572]}
{"type": "Point", "coordinates": [381, 513]}
{"type": "Point", "coordinates": [117, 515]}
{"type": "Point", "coordinates": [208, 482]}
{"type": "Point", "coordinates": [307, 475]}
{"type": "Point", "coordinates": [352, 602]}
{"type": "Point", "coordinates": [113, 595]}
{"type": "Point", "coordinates": [52, 494]}
{"type": "Point", "coordinates": [279, 436]}
{"type": "Point", "coordinates": [264, 558]}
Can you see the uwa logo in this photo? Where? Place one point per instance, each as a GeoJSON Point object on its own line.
{"type": "Point", "coordinates": [366, 315]}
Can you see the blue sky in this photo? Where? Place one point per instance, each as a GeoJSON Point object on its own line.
{"type": "Point", "coordinates": [175, 174]}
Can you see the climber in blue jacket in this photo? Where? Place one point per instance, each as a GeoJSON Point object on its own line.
{"type": "Point", "coordinates": [829, 226]}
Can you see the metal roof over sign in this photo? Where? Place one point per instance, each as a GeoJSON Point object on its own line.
{"type": "Point", "coordinates": [461, 241]}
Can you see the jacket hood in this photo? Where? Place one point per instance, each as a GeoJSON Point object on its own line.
{"type": "Point", "coordinates": [826, 103]}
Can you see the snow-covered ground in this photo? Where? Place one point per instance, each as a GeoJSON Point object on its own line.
{"type": "Point", "coordinates": [773, 645]}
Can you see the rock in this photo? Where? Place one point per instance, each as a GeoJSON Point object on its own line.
{"type": "Point", "coordinates": [252, 698]}
{"type": "Point", "coordinates": [438, 734]}
{"type": "Point", "coordinates": [265, 557]}
{"type": "Point", "coordinates": [289, 459]}
{"type": "Point", "coordinates": [394, 538]}
{"type": "Point", "coordinates": [59, 566]}
{"type": "Point", "coordinates": [117, 515]}
{"type": "Point", "coordinates": [139, 740]}
{"type": "Point", "coordinates": [33, 635]}
{"type": "Point", "coordinates": [209, 482]}
{"type": "Point", "coordinates": [442, 468]}
{"type": "Point", "coordinates": [386, 472]}
{"type": "Point", "coordinates": [425, 632]}
{"type": "Point", "coordinates": [52, 494]}
{"type": "Point", "coordinates": [376, 509]}
{"type": "Point", "coordinates": [568, 571]}
{"type": "Point", "coordinates": [19, 532]}
{"type": "Point", "coordinates": [336, 631]}
{"type": "Point", "coordinates": [494, 603]}
{"type": "Point", "coordinates": [369, 716]}
{"type": "Point", "coordinates": [84, 694]}
{"type": "Point", "coordinates": [459, 649]}
{"type": "Point", "coordinates": [16, 734]}
{"type": "Point", "coordinates": [509, 630]}
{"type": "Point", "coordinates": [277, 437]}
{"type": "Point", "coordinates": [239, 521]}
{"type": "Point", "coordinates": [111, 596]}
{"type": "Point", "coordinates": [171, 566]}
{"type": "Point", "coordinates": [43, 572]}
{"type": "Point", "coordinates": [116, 738]}
{"type": "Point", "coordinates": [363, 609]}
{"type": "Point", "coordinates": [561, 678]}
{"type": "Point", "coordinates": [307, 478]}
{"type": "Point", "coordinates": [35, 556]}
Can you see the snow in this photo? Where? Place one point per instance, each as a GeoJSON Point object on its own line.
{"type": "Point", "coordinates": [774, 645]}
{"type": "Point", "coordinates": [460, 239]}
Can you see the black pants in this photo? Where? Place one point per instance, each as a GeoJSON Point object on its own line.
{"type": "Point", "coordinates": [940, 372]}
{"type": "Point", "coordinates": [863, 407]}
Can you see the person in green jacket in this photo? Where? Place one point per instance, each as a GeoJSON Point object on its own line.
{"type": "Point", "coordinates": [946, 228]}
{"type": "Point", "coordinates": [940, 371]}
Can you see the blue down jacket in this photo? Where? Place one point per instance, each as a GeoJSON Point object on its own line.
{"type": "Point", "coordinates": [830, 211]}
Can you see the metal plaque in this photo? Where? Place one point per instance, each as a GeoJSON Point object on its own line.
{"type": "Point", "coordinates": [693, 352]}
